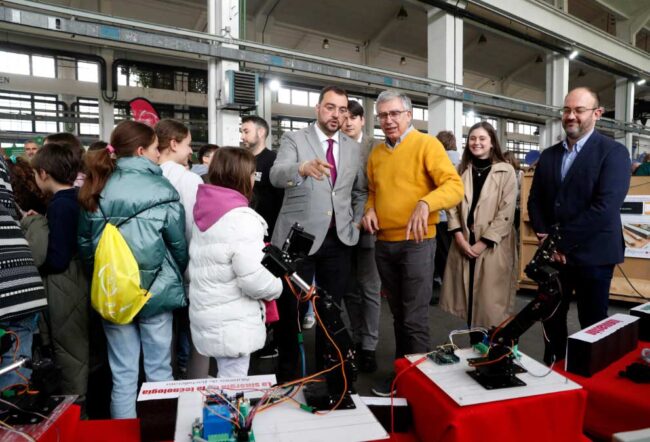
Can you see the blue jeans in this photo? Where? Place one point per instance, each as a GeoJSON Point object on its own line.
{"type": "Point", "coordinates": [24, 328]}
{"type": "Point", "coordinates": [124, 341]}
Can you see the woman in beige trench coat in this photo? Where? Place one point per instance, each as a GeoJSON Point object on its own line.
{"type": "Point", "coordinates": [487, 243]}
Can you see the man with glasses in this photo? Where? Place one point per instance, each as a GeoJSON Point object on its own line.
{"type": "Point", "coordinates": [410, 179]}
{"type": "Point", "coordinates": [319, 168]}
{"type": "Point", "coordinates": [579, 185]}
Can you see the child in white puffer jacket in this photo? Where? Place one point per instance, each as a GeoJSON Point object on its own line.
{"type": "Point", "coordinates": [228, 283]}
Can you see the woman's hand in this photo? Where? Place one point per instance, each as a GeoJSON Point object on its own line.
{"type": "Point", "coordinates": [464, 246]}
{"type": "Point", "coordinates": [479, 247]}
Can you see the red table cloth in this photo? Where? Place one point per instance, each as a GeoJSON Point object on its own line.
{"type": "Point", "coordinates": [614, 404]}
{"type": "Point", "coordinates": [553, 417]}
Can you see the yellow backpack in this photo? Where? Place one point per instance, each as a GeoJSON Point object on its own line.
{"type": "Point", "coordinates": [115, 292]}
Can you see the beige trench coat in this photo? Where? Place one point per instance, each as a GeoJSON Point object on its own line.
{"type": "Point", "coordinates": [495, 275]}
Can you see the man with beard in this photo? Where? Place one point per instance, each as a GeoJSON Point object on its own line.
{"type": "Point", "coordinates": [580, 184]}
{"type": "Point", "coordinates": [267, 199]}
{"type": "Point", "coordinates": [320, 169]}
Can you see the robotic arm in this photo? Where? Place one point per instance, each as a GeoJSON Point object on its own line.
{"type": "Point", "coordinates": [496, 369]}
{"type": "Point", "coordinates": [283, 263]}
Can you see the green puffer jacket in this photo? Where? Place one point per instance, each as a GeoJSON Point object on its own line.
{"type": "Point", "coordinates": [151, 219]}
{"type": "Point", "coordinates": [65, 327]}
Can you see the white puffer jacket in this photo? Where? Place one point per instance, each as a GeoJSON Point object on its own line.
{"type": "Point", "coordinates": [227, 280]}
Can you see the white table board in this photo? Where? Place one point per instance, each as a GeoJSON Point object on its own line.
{"type": "Point", "coordinates": [458, 385]}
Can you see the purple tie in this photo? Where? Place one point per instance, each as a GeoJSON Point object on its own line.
{"type": "Point", "coordinates": [329, 156]}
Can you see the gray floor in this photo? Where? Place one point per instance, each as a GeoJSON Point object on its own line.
{"type": "Point", "coordinates": [440, 324]}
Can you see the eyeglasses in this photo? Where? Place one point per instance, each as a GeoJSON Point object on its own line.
{"type": "Point", "coordinates": [394, 115]}
{"type": "Point", "coordinates": [332, 108]}
{"type": "Point", "coordinates": [576, 110]}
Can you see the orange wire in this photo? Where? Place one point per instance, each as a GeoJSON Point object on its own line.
{"type": "Point", "coordinates": [504, 322]}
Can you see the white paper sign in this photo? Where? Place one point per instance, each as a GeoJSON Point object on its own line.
{"type": "Point", "coordinates": [171, 389]}
{"type": "Point", "coordinates": [604, 328]}
{"type": "Point", "coordinates": [635, 217]}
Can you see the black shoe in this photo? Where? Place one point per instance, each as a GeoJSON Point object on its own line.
{"type": "Point", "coordinates": [383, 389]}
{"type": "Point", "coordinates": [366, 361]}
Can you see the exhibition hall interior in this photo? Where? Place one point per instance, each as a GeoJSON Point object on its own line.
{"type": "Point", "coordinates": [285, 220]}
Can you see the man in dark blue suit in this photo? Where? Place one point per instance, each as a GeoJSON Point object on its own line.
{"type": "Point", "coordinates": [580, 184]}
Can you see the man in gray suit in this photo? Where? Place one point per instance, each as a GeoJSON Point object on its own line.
{"type": "Point", "coordinates": [319, 168]}
{"type": "Point", "coordinates": [362, 298]}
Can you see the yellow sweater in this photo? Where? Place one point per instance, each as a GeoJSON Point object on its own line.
{"type": "Point", "coordinates": [418, 169]}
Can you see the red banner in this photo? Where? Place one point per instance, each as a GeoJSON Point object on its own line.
{"type": "Point", "coordinates": [142, 110]}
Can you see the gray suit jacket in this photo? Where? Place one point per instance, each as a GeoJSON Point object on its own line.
{"type": "Point", "coordinates": [312, 203]}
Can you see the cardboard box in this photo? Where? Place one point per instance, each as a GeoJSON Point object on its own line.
{"type": "Point", "coordinates": [643, 312]}
{"type": "Point", "coordinates": [595, 347]}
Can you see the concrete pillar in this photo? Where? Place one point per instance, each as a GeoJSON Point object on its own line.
{"type": "Point", "coordinates": [223, 125]}
{"type": "Point", "coordinates": [557, 86]}
{"type": "Point", "coordinates": [445, 62]}
{"type": "Point", "coordinates": [501, 133]}
{"type": "Point", "coordinates": [369, 114]}
{"type": "Point", "coordinates": [265, 106]}
{"type": "Point", "coordinates": [106, 109]}
{"type": "Point", "coordinates": [67, 71]}
{"type": "Point", "coordinates": [623, 110]}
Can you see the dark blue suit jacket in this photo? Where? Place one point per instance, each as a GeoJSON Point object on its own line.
{"type": "Point", "coordinates": [586, 204]}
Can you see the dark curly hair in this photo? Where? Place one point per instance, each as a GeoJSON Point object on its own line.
{"type": "Point", "coordinates": [26, 193]}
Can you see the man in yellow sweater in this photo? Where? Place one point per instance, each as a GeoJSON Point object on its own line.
{"type": "Point", "coordinates": [410, 179]}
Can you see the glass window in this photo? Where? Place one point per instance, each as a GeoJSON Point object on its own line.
{"type": "Point", "coordinates": [87, 71]}
{"type": "Point", "coordinates": [418, 114]}
{"type": "Point", "coordinates": [46, 106]}
{"type": "Point", "coordinates": [510, 126]}
{"type": "Point", "coordinates": [378, 133]}
{"type": "Point", "coordinates": [122, 77]}
{"type": "Point", "coordinates": [14, 63]}
{"type": "Point", "coordinates": [43, 66]}
{"type": "Point", "coordinates": [284, 95]}
{"type": "Point", "coordinates": [299, 97]}
{"type": "Point", "coordinates": [88, 108]}
{"type": "Point", "coordinates": [15, 104]}
{"type": "Point", "coordinates": [313, 98]}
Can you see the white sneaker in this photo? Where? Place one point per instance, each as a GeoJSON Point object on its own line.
{"type": "Point", "coordinates": [308, 322]}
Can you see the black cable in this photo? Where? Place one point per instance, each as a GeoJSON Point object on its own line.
{"type": "Point", "coordinates": [630, 282]}
{"type": "Point", "coordinates": [267, 19]}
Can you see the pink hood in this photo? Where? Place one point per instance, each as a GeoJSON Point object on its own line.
{"type": "Point", "coordinates": [213, 202]}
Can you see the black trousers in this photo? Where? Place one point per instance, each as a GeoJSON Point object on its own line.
{"type": "Point", "coordinates": [591, 287]}
{"type": "Point", "coordinates": [443, 244]}
{"type": "Point", "coordinates": [330, 266]}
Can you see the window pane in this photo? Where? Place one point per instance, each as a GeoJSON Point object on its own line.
{"type": "Point", "coordinates": [510, 126]}
{"type": "Point", "coordinates": [121, 76]}
{"type": "Point", "coordinates": [88, 108]}
{"type": "Point", "coordinates": [284, 96]}
{"type": "Point", "coordinates": [87, 71]}
{"type": "Point", "coordinates": [313, 98]}
{"type": "Point", "coordinates": [14, 63]}
{"type": "Point", "coordinates": [43, 66]}
{"type": "Point", "coordinates": [418, 114]}
{"type": "Point", "coordinates": [45, 106]}
{"type": "Point", "coordinates": [19, 104]}
{"type": "Point", "coordinates": [299, 98]}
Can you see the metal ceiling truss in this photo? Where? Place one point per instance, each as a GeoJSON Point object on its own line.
{"type": "Point", "coordinates": [111, 31]}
